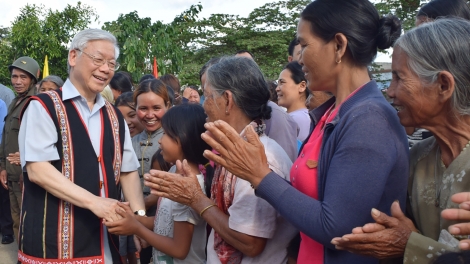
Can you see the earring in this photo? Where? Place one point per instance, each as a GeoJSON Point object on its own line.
{"type": "Point", "coordinates": [338, 61]}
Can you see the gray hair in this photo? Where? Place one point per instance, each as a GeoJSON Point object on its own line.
{"type": "Point", "coordinates": [244, 79]}
{"type": "Point", "coordinates": [442, 45]}
{"type": "Point", "coordinates": [54, 79]}
{"type": "Point", "coordinates": [82, 38]}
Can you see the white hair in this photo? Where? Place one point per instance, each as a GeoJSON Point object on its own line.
{"type": "Point", "coordinates": [82, 38]}
{"type": "Point", "coordinates": [442, 45]}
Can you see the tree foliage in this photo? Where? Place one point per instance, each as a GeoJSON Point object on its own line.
{"type": "Point", "coordinates": [141, 40]}
{"type": "Point", "coordinates": [181, 47]}
{"type": "Point", "coordinates": [266, 32]}
{"type": "Point", "coordinates": [37, 32]}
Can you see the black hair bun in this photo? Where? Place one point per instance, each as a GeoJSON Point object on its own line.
{"type": "Point", "coordinates": [389, 31]}
{"type": "Point", "coordinates": [265, 111]}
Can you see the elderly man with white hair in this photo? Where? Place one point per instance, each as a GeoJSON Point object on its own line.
{"type": "Point", "coordinates": [75, 152]}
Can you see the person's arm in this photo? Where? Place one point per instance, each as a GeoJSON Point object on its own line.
{"type": "Point", "coordinates": [177, 246]}
{"type": "Point", "coordinates": [150, 200]}
{"type": "Point", "coordinates": [186, 190]}
{"type": "Point", "coordinates": [355, 183]}
{"type": "Point", "coordinates": [132, 190]}
{"type": "Point", "coordinates": [357, 175]}
{"type": "Point", "coordinates": [54, 182]}
{"type": "Point", "coordinates": [129, 178]}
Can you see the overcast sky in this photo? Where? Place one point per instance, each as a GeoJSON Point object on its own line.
{"type": "Point", "coordinates": [163, 10]}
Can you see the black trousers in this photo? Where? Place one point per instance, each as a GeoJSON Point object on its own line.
{"type": "Point", "coordinates": [6, 222]}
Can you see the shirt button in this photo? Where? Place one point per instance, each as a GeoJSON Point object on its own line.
{"type": "Point", "coordinates": [296, 166]}
{"type": "Point", "coordinates": [302, 155]}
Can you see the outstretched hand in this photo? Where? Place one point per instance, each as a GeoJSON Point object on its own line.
{"type": "Point", "coordinates": [386, 238]}
{"type": "Point", "coordinates": [244, 158]}
{"type": "Point", "coordinates": [182, 187]}
{"type": "Point", "coordinates": [462, 214]}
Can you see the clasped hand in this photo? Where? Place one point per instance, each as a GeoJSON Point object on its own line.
{"type": "Point", "coordinates": [386, 238]}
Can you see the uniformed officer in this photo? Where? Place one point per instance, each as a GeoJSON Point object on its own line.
{"type": "Point", "coordinates": [24, 76]}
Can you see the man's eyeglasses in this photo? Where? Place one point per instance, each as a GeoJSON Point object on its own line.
{"type": "Point", "coordinates": [113, 65]}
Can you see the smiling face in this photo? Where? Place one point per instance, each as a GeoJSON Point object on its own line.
{"type": "Point", "coordinates": [417, 104]}
{"type": "Point", "coordinates": [130, 115]}
{"type": "Point", "coordinates": [316, 57]}
{"type": "Point", "coordinates": [20, 80]}
{"type": "Point", "coordinates": [87, 77]}
{"type": "Point", "coordinates": [288, 92]}
{"type": "Point", "coordinates": [150, 110]}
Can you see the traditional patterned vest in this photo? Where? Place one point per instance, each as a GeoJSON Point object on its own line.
{"type": "Point", "coordinates": [52, 230]}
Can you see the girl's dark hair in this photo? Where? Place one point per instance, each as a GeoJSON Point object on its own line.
{"type": "Point", "coordinates": [146, 77]}
{"type": "Point", "coordinates": [359, 21]}
{"type": "Point", "coordinates": [185, 123]}
{"type": "Point", "coordinates": [125, 99]}
{"type": "Point", "coordinates": [120, 82]}
{"type": "Point", "coordinates": [297, 75]}
{"type": "Point", "coordinates": [152, 85]}
{"type": "Point", "coordinates": [443, 8]}
{"type": "Point", "coordinates": [171, 80]}
{"type": "Point", "coordinates": [164, 166]}
{"type": "Point", "coordinates": [171, 94]}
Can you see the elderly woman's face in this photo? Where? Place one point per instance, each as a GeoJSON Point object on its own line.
{"type": "Point", "coordinates": [47, 86]}
{"type": "Point", "coordinates": [416, 103]}
{"type": "Point", "coordinates": [213, 105]}
{"type": "Point", "coordinates": [316, 57]}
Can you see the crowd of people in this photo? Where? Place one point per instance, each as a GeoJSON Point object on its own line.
{"type": "Point", "coordinates": [314, 167]}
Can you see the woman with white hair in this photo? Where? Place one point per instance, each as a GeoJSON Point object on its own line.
{"type": "Point", "coordinates": [430, 89]}
{"type": "Point", "coordinates": [49, 83]}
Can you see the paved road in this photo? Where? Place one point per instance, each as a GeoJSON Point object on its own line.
{"type": "Point", "coordinates": [8, 253]}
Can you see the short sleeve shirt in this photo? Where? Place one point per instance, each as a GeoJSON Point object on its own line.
{"type": "Point", "coordinates": [169, 212]}
{"type": "Point", "coordinates": [254, 216]}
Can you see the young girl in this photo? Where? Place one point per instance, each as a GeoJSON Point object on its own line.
{"type": "Point", "coordinates": [179, 233]}
{"type": "Point", "coordinates": [125, 104]}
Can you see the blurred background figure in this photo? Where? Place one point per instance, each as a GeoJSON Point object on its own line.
{"type": "Point", "coordinates": [51, 82]}
{"type": "Point", "coordinates": [171, 80]}
{"type": "Point", "coordinates": [125, 104]}
{"type": "Point", "coordinates": [120, 83]}
{"type": "Point", "coordinates": [294, 50]}
{"type": "Point", "coordinates": [292, 92]}
{"type": "Point", "coordinates": [192, 94]}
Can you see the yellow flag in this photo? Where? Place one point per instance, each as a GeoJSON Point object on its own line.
{"type": "Point", "coordinates": [45, 71]}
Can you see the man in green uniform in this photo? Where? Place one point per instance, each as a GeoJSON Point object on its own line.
{"type": "Point", "coordinates": [24, 76]}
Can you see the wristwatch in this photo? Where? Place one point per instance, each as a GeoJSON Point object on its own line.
{"type": "Point", "coordinates": [140, 212]}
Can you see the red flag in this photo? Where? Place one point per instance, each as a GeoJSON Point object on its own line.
{"type": "Point", "coordinates": [155, 68]}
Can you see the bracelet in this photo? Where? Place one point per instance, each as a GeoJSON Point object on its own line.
{"type": "Point", "coordinates": [205, 209]}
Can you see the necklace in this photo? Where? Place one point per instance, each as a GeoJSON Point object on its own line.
{"type": "Point", "coordinates": [437, 186]}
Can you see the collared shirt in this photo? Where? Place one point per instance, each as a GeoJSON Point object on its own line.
{"type": "Point", "coordinates": [38, 136]}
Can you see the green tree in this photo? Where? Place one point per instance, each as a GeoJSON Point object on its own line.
{"type": "Point", "coordinates": [141, 40]}
{"type": "Point", "coordinates": [266, 32]}
{"type": "Point", "coordinates": [37, 32]}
